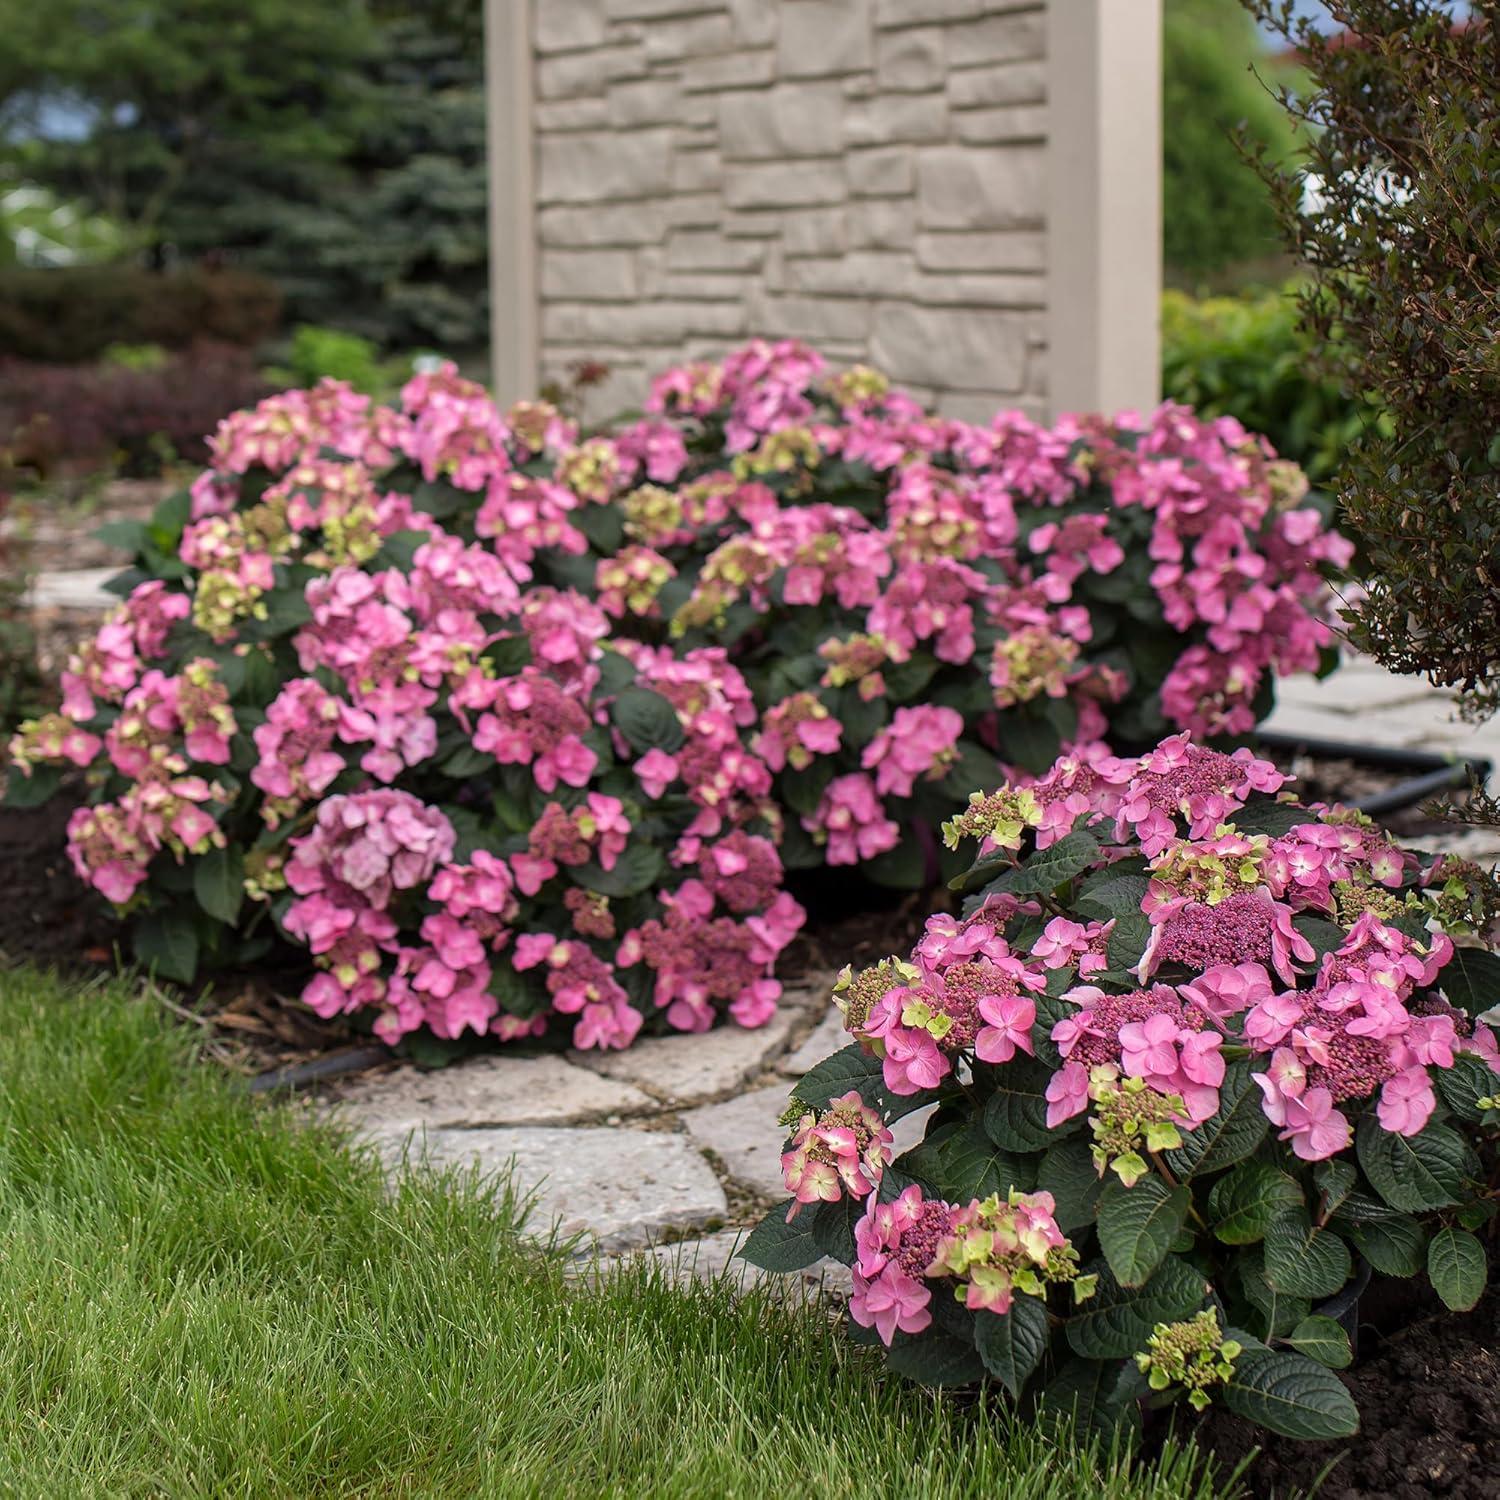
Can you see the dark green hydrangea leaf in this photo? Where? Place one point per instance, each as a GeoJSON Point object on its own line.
{"type": "Point", "coordinates": [1457, 1268]}
{"type": "Point", "coordinates": [1231, 1135]}
{"type": "Point", "coordinates": [1138, 1225]}
{"type": "Point", "coordinates": [1115, 1322]}
{"type": "Point", "coordinates": [1292, 1395]}
{"type": "Point", "coordinates": [1011, 1344]}
{"type": "Point", "coordinates": [1067, 1171]}
{"type": "Point", "coordinates": [1015, 1117]}
{"type": "Point", "coordinates": [1245, 1200]}
{"type": "Point", "coordinates": [1304, 1260]}
{"type": "Point", "coordinates": [1324, 1340]}
{"type": "Point", "coordinates": [1415, 1173]}
{"type": "Point", "coordinates": [775, 1245]}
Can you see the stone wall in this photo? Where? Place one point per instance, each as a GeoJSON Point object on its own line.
{"type": "Point", "coordinates": [869, 175]}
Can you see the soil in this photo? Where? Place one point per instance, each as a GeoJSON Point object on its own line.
{"type": "Point", "coordinates": [1428, 1394]}
{"type": "Point", "coordinates": [46, 916]}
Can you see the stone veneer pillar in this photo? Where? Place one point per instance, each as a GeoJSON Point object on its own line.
{"type": "Point", "coordinates": [964, 192]}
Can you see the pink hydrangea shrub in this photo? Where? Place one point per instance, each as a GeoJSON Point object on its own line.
{"type": "Point", "coordinates": [1195, 1049]}
{"type": "Point", "coordinates": [787, 607]}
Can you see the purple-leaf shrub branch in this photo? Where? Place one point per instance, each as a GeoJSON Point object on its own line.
{"type": "Point", "coordinates": [785, 620]}
{"type": "Point", "coordinates": [1193, 1048]}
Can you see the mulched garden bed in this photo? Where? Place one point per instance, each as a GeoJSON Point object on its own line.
{"type": "Point", "coordinates": [1428, 1392]}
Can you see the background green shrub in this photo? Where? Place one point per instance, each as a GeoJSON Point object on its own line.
{"type": "Point", "coordinates": [1246, 357]}
{"type": "Point", "coordinates": [68, 315]}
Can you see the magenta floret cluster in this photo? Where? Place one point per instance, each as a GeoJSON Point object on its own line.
{"type": "Point", "coordinates": [785, 620]}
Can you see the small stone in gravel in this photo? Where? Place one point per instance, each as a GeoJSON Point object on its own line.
{"type": "Point", "coordinates": [830, 1037]}
{"type": "Point", "coordinates": [687, 1068]}
{"type": "Point", "coordinates": [511, 1090]}
{"type": "Point", "coordinates": [621, 1187]}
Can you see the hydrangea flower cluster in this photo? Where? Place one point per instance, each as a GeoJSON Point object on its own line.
{"type": "Point", "coordinates": [1221, 1042]}
{"type": "Point", "coordinates": [786, 606]}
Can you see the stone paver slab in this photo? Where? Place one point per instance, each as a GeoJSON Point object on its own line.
{"type": "Point", "coordinates": [685, 1069]}
{"type": "Point", "coordinates": [744, 1134]}
{"type": "Point", "coordinates": [76, 588]}
{"type": "Point", "coordinates": [830, 1037]}
{"type": "Point", "coordinates": [509, 1090]}
{"type": "Point", "coordinates": [621, 1187]}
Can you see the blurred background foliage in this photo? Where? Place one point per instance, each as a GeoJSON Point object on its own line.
{"type": "Point", "coordinates": [307, 184]}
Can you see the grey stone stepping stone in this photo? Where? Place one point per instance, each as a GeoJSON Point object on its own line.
{"type": "Point", "coordinates": [830, 1037]}
{"type": "Point", "coordinates": [509, 1090]}
{"type": "Point", "coordinates": [688, 1068]}
{"type": "Point", "coordinates": [79, 588]}
{"type": "Point", "coordinates": [744, 1134]}
{"type": "Point", "coordinates": [619, 1186]}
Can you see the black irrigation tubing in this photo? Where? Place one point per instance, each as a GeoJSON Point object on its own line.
{"type": "Point", "coordinates": [320, 1069]}
{"type": "Point", "coordinates": [1435, 772]}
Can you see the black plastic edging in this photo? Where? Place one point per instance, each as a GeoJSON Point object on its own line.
{"type": "Point", "coordinates": [1435, 772]}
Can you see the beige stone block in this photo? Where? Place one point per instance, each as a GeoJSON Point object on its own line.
{"type": "Point", "coordinates": [1000, 83]}
{"type": "Point", "coordinates": [884, 172]}
{"type": "Point", "coordinates": [910, 60]}
{"type": "Point", "coordinates": [785, 184]}
{"type": "Point", "coordinates": [690, 37]}
{"type": "Point", "coordinates": [733, 70]}
{"type": "Point", "coordinates": [601, 165]}
{"type": "Point", "coordinates": [920, 12]}
{"type": "Point", "coordinates": [973, 348]}
{"type": "Point", "coordinates": [583, 73]}
{"type": "Point", "coordinates": [755, 22]}
{"type": "Point", "coordinates": [817, 319]}
{"type": "Point", "coordinates": [567, 25]}
{"type": "Point", "coordinates": [960, 188]}
{"type": "Point", "coordinates": [1003, 38]}
{"type": "Point", "coordinates": [691, 211]}
{"type": "Point", "coordinates": [881, 224]}
{"type": "Point", "coordinates": [815, 231]}
{"type": "Point", "coordinates": [823, 37]}
{"type": "Point", "coordinates": [861, 273]}
{"type": "Point", "coordinates": [757, 224]}
{"type": "Point", "coordinates": [698, 286]}
{"type": "Point", "coordinates": [707, 250]}
{"type": "Point", "coordinates": [791, 119]}
{"type": "Point", "coordinates": [602, 224]}
{"type": "Point", "coordinates": [643, 322]}
{"type": "Point", "coordinates": [696, 171]}
{"type": "Point", "coordinates": [645, 101]}
{"type": "Point", "coordinates": [1004, 125]}
{"type": "Point", "coordinates": [589, 275]}
{"type": "Point", "coordinates": [569, 114]}
{"type": "Point", "coordinates": [896, 117]}
{"type": "Point", "coordinates": [980, 289]}
{"type": "Point", "coordinates": [982, 250]}
{"type": "Point", "coordinates": [979, 407]}
{"type": "Point", "coordinates": [635, 10]}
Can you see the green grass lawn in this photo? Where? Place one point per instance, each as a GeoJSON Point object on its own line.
{"type": "Point", "coordinates": [200, 1295]}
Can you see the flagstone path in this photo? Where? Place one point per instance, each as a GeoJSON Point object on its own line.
{"type": "Point", "coordinates": [670, 1149]}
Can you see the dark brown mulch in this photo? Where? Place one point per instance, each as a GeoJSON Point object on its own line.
{"type": "Point", "coordinates": [1429, 1402]}
{"type": "Point", "coordinates": [46, 915]}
